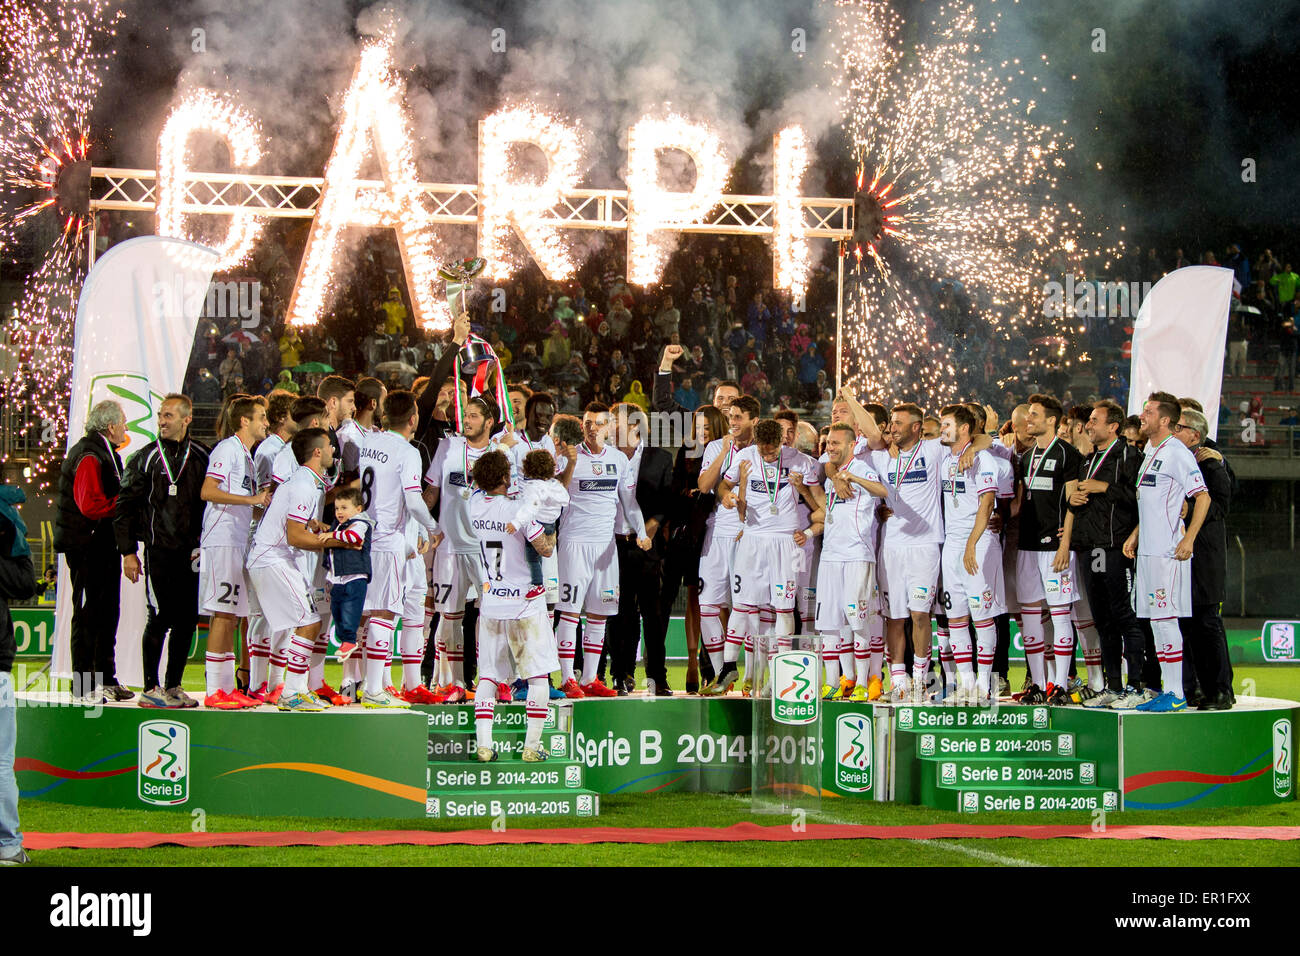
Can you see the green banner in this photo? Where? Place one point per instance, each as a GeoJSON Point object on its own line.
{"type": "Point", "coordinates": [336, 764]}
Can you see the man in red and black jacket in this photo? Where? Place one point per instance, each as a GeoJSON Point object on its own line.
{"type": "Point", "coordinates": [89, 481]}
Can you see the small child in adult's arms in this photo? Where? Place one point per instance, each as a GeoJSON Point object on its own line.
{"type": "Point", "coordinates": [543, 497]}
{"type": "Point", "coordinates": [347, 570]}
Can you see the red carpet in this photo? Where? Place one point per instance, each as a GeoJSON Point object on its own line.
{"type": "Point", "coordinates": [583, 835]}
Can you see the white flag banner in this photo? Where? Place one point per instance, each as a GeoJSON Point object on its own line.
{"type": "Point", "coordinates": [1179, 339]}
{"type": "Point", "coordinates": [135, 326]}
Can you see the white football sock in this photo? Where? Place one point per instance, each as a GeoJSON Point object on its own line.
{"type": "Point", "coordinates": [861, 657]}
{"type": "Point", "coordinates": [593, 642]}
{"type": "Point", "coordinates": [1062, 644]}
{"type": "Point", "coordinates": [1031, 630]}
{"type": "Point", "coordinates": [297, 658]}
{"type": "Point", "coordinates": [259, 651]}
{"type": "Point", "coordinates": [485, 701]}
{"type": "Point", "coordinates": [1091, 641]}
{"type": "Point", "coordinates": [1169, 650]}
{"type": "Point", "coordinates": [379, 638]}
{"type": "Point", "coordinates": [567, 638]}
{"type": "Point", "coordinates": [711, 633]}
{"type": "Point", "coordinates": [961, 651]}
{"type": "Point", "coordinates": [986, 637]}
{"type": "Point", "coordinates": [411, 644]}
{"type": "Point", "coordinates": [538, 694]}
{"type": "Point", "coordinates": [831, 657]}
{"type": "Point", "coordinates": [737, 631]}
{"type": "Point", "coordinates": [921, 668]}
{"type": "Point", "coordinates": [943, 636]}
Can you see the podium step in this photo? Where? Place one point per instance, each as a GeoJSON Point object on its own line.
{"type": "Point", "coordinates": [506, 718]}
{"type": "Point", "coordinates": [449, 805]}
{"type": "Point", "coordinates": [1027, 772]}
{"type": "Point", "coordinates": [463, 776]}
{"type": "Point", "coordinates": [1004, 717]}
{"type": "Point", "coordinates": [1019, 799]}
{"type": "Point", "coordinates": [462, 746]}
{"type": "Point", "coordinates": [995, 743]}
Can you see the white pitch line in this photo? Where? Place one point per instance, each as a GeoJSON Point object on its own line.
{"type": "Point", "coordinates": [978, 854]}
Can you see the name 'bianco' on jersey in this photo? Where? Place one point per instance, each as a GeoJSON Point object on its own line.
{"type": "Point", "coordinates": [769, 488]}
{"type": "Point", "coordinates": [452, 472]}
{"type": "Point", "coordinates": [913, 482]}
{"type": "Point", "coordinates": [1168, 475]}
{"type": "Point", "coordinates": [503, 557]}
{"type": "Point", "coordinates": [850, 525]}
{"type": "Point", "coordinates": [227, 526]}
{"type": "Point", "coordinates": [962, 491]}
{"type": "Point", "coordinates": [390, 467]}
{"type": "Point", "coordinates": [601, 485]}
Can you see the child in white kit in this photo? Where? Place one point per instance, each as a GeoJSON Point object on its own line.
{"type": "Point", "coordinates": [543, 498]}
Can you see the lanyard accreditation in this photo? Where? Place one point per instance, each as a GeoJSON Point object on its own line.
{"type": "Point", "coordinates": [1151, 461]}
{"type": "Point", "coordinates": [1036, 465]}
{"type": "Point", "coordinates": [173, 479]}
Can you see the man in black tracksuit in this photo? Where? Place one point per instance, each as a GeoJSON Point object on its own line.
{"type": "Point", "coordinates": [160, 504]}
{"type": "Point", "coordinates": [1203, 633]}
{"type": "Point", "coordinates": [1105, 512]}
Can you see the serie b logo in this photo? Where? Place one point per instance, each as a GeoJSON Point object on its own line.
{"type": "Point", "coordinates": [794, 697]}
{"type": "Point", "coordinates": [1283, 750]}
{"type": "Point", "coordinates": [853, 752]}
{"type": "Point", "coordinates": [163, 778]}
{"type": "Point", "coordinates": [947, 773]}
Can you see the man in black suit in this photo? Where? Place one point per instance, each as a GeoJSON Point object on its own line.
{"type": "Point", "coordinates": [640, 572]}
{"type": "Point", "coordinates": [1203, 633]}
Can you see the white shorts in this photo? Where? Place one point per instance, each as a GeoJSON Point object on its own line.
{"type": "Point", "coordinates": [523, 648]}
{"type": "Point", "coordinates": [284, 596]}
{"type": "Point", "coordinates": [588, 576]}
{"type": "Point", "coordinates": [1163, 587]}
{"type": "Point", "coordinates": [415, 583]}
{"type": "Point", "coordinates": [909, 579]}
{"type": "Point", "coordinates": [454, 576]}
{"type": "Point", "coordinates": [717, 570]}
{"type": "Point", "coordinates": [223, 584]}
{"type": "Point", "coordinates": [978, 595]}
{"type": "Point", "coordinates": [845, 595]}
{"type": "Point", "coordinates": [1037, 582]}
{"type": "Point", "coordinates": [766, 571]}
{"type": "Point", "coordinates": [386, 589]}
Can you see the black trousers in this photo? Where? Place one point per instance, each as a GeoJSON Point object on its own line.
{"type": "Point", "coordinates": [1204, 635]}
{"type": "Point", "coordinates": [96, 600]}
{"type": "Point", "coordinates": [1109, 592]}
{"type": "Point", "coordinates": [681, 569]}
{"type": "Point", "coordinates": [1002, 652]}
{"type": "Point", "coordinates": [640, 601]}
{"type": "Point", "coordinates": [172, 595]}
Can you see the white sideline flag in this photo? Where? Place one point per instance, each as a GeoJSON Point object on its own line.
{"type": "Point", "coordinates": [1179, 339]}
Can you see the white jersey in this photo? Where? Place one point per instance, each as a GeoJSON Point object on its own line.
{"type": "Point", "coordinates": [390, 467]}
{"type": "Point", "coordinates": [913, 482]}
{"type": "Point", "coordinates": [351, 437]}
{"type": "Point", "coordinates": [771, 502]}
{"type": "Point", "coordinates": [227, 526]}
{"type": "Point", "coordinates": [298, 499]}
{"type": "Point", "coordinates": [264, 458]}
{"type": "Point", "coordinates": [284, 464]}
{"type": "Point", "coordinates": [452, 472]}
{"type": "Point", "coordinates": [543, 500]}
{"type": "Point", "coordinates": [850, 533]}
{"type": "Point", "coordinates": [1004, 465]}
{"type": "Point", "coordinates": [1169, 474]}
{"type": "Point", "coordinates": [962, 491]}
{"type": "Point", "coordinates": [602, 486]}
{"type": "Point", "coordinates": [545, 443]}
{"type": "Point", "coordinates": [724, 521]}
{"type": "Point", "coordinates": [503, 557]}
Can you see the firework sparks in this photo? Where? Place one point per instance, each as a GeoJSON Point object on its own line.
{"type": "Point", "coordinates": [956, 187]}
{"type": "Point", "coordinates": [373, 105]}
{"type": "Point", "coordinates": [651, 207]}
{"type": "Point", "coordinates": [54, 54]}
{"type": "Point", "coordinates": [202, 111]}
{"type": "Point", "coordinates": [505, 202]}
{"type": "Point", "coordinates": [789, 245]}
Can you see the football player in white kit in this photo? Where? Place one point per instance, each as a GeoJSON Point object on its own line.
{"type": "Point", "coordinates": [449, 480]}
{"type": "Point", "coordinates": [1162, 545]}
{"type": "Point", "coordinates": [908, 569]}
{"type": "Point", "coordinates": [230, 489]}
{"type": "Point", "coordinates": [390, 489]}
{"type": "Point", "coordinates": [717, 557]}
{"type": "Point", "coordinates": [514, 631]}
{"type": "Point", "coordinates": [972, 555]}
{"type": "Point", "coordinates": [846, 574]}
{"type": "Point", "coordinates": [290, 525]}
{"type": "Point", "coordinates": [600, 485]}
{"type": "Point", "coordinates": [765, 476]}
